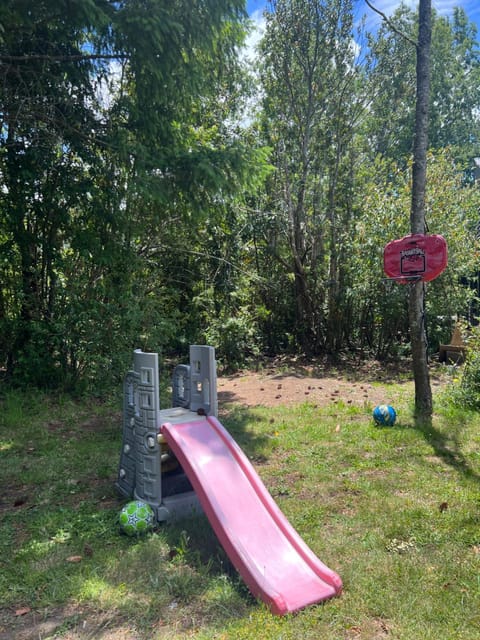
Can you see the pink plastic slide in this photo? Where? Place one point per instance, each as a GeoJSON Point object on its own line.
{"type": "Point", "coordinates": [273, 560]}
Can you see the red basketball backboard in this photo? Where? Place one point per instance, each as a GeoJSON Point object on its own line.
{"type": "Point", "coordinates": [415, 257]}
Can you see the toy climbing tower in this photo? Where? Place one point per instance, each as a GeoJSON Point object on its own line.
{"type": "Point", "coordinates": [148, 471]}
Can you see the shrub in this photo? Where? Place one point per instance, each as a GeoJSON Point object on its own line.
{"type": "Point", "coordinates": [466, 391]}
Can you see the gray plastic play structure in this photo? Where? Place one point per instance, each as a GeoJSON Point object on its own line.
{"type": "Point", "coordinates": [147, 470]}
{"type": "Point", "coordinates": [167, 452]}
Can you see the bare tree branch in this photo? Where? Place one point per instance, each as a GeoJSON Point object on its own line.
{"type": "Point", "coordinates": [63, 58]}
{"type": "Point", "coordinates": [390, 24]}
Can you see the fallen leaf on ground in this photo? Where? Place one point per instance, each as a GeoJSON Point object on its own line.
{"type": "Point", "coordinates": [74, 558]}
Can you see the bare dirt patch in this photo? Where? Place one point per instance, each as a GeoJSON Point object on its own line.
{"type": "Point", "coordinates": [288, 389]}
{"type": "Point", "coordinates": [69, 623]}
{"type": "Point", "coordinates": [366, 384]}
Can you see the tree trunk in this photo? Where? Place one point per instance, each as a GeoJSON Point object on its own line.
{"type": "Point", "coordinates": [423, 392]}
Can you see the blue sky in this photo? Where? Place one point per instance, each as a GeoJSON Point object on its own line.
{"type": "Point", "coordinates": [443, 7]}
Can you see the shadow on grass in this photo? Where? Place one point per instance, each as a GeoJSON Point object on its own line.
{"type": "Point", "coordinates": [194, 538]}
{"type": "Point", "coordinates": [447, 446]}
{"type": "Point", "coordinates": [237, 421]}
{"type": "Point", "coordinates": [194, 541]}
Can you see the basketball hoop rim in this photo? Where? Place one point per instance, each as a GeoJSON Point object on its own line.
{"type": "Point", "coordinates": [406, 278]}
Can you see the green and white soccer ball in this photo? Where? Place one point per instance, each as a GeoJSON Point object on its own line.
{"type": "Point", "coordinates": [136, 518]}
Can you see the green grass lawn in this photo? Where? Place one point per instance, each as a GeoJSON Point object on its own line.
{"type": "Point", "coordinates": [395, 511]}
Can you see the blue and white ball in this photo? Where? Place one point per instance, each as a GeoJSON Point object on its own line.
{"type": "Point", "coordinates": [384, 414]}
{"type": "Point", "coordinates": [136, 518]}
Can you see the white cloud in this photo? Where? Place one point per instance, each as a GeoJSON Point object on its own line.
{"type": "Point", "coordinates": [249, 55]}
{"type": "Point", "coordinates": [258, 29]}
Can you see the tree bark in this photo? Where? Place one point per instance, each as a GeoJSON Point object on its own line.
{"type": "Point", "coordinates": [416, 310]}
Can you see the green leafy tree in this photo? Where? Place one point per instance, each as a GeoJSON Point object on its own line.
{"type": "Point", "coordinates": [114, 129]}
{"type": "Point", "coordinates": [454, 122]}
{"type": "Point", "coordinates": [454, 92]}
{"type": "Point", "coordinates": [309, 79]}
{"type": "Point", "coordinates": [379, 306]}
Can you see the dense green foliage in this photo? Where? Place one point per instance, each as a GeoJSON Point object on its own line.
{"type": "Point", "coordinates": [115, 151]}
{"type": "Point", "coordinates": [465, 388]}
{"type": "Point", "coordinates": [139, 207]}
{"type": "Point", "coordinates": [455, 86]}
{"type": "Point", "coordinates": [342, 134]}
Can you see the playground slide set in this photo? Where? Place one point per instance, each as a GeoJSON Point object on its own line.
{"type": "Point", "coordinates": [182, 461]}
